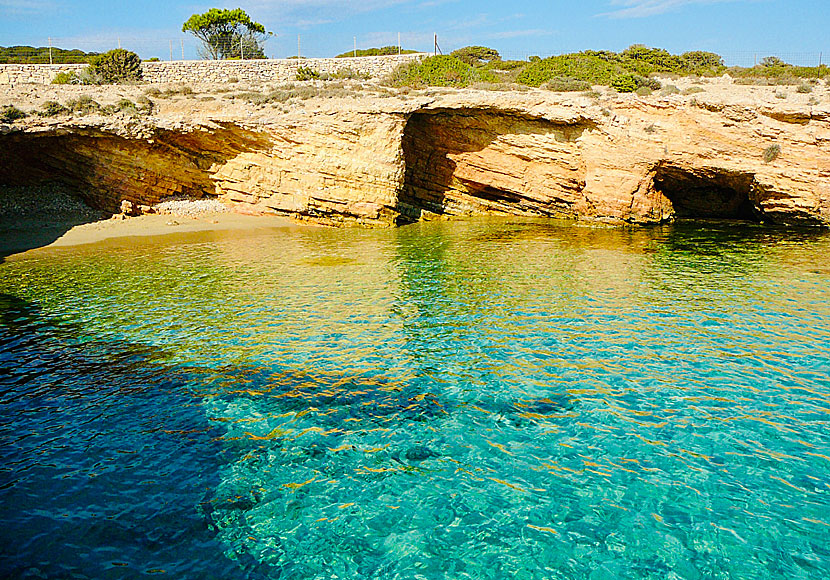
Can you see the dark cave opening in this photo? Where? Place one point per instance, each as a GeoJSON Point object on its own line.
{"type": "Point", "coordinates": [708, 194]}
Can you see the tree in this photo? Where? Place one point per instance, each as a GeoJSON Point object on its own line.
{"type": "Point", "coordinates": [227, 34]}
{"type": "Point", "coordinates": [476, 55]}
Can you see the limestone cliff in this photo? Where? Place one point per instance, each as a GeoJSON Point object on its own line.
{"type": "Point", "coordinates": [401, 159]}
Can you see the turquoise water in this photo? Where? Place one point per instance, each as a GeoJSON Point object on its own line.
{"type": "Point", "coordinates": [486, 399]}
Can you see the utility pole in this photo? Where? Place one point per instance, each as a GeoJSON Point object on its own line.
{"type": "Point", "coordinates": [241, 50]}
{"type": "Point", "coordinates": [435, 44]}
{"type": "Point", "coordinates": [119, 42]}
{"type": "Point", "coordinates": [182, 41]}
{"type": "Point", "coordinates": [399, 43]}
{"type": "Point", "coordinates": [171, 51]}
{"type": "Point", "coordinates": [355, 47]}
{"type": "Point", "coordinates": [298, 47]}
{"type": "Point", "coordinates": [50, 50]}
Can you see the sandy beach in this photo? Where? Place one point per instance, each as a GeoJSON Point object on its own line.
{"type": "Point", "coordinates": [30, 219]}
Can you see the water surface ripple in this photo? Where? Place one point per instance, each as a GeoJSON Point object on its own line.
{"type": "Point", "coordinates": [488, 399]}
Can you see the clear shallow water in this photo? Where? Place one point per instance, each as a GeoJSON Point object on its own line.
{"type": "Point", "coordinates": [454, 400]}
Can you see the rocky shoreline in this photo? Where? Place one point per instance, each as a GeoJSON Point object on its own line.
{"type": "Point", "coordinates": [353, 153]}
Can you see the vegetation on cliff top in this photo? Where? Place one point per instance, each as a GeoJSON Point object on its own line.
{"type": "Point", "coordinates": [40, 55]}
{"type": "Point", "coordinates": [439, 71]}
{"type": "Point", "coordinates": [382, 51]}
{"type": "Point", "coordinates": [626, 71]}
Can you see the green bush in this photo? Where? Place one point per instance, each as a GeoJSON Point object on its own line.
{"type": "Point", "coordinates": [506, 65]}
{"type": "Point", "coordinates": [305, 73]}
{"type": "Point", "coordinates": [582, 66]}
{"type": "Point", "coordinates": [700, 62]}
{"type": "Point", "coordinates": [626, 83]}
{"type": "Point", "coordinates": [476, 55]}
{"type": "Point", "coordinates": [630, 82]}
{"type": "Point", "coordinates": [52, 109]}
{"type": "Point", "coordinates": [439, 71]}
{"type": "Point", "coordinates": [116, 66]}
{"type": "Point", "coordinates": [644, 91]}
{"type": "Point", "coordinates": [66, 78]}
{"type": "Point", "coordinates": [771, 153]}
{"type": "Point", "coordinates": [804, 89]}
{"type": "Point", "coordinates": [644, 60]}
{"type": "Point", "coordinates": [383, 51]}
{"type": "Point", "coordinates": [10, 114]}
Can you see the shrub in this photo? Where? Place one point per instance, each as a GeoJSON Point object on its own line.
{"type": "Point", "coordinates": [506, 65]}
{"type": "Point", "coordinates": [10, 114]}
{"type": "Point", "coordinates": [670, 90]}
{"type": "Point", "coordinates": [144, 104]}
{"type": "Point", "coordinates": [66, 78]}
{"type": "Point", "coordinates": [305, 73]}
{"type": "Point", "coordinates": [476, 55]}
{"type": "Point", "coordinates": [644, 60]}
{"type": "Point", "coordinates": [153, 59]}
{"type": "Point", "coordinates": [116, 66]}
{"type": "Point", "coordinates": [566, 84]}
{"type": "Point", "coordinates": [626, 83]}
{"type": "Point", "coordinates": [804, 88]}
{"type": "Point", "coordinates": [348, 73]}
{"type": "Point", "coordinates": [126, 105]}
{"type": "Point", "coordinates": [582, 66]}
{"type": "Point", "coordinates": [644, 91]}
{"type": "Point", "coordinates": [83, 105]}
{"type": "Point", "coordinates": [771, 153]}
{"type": "Point", "coordinates": [383, 51]}
{"type": "Point", "coordinates": [693, 90]}
{"type": "Point", "coordinates": [702, 63]}
{"type": "Point", "coordinates": [439, 71]}
{"type": "Point", "coordinates": [52, 109]}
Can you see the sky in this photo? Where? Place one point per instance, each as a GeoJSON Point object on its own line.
{"type": "Point", "coordinates": [796, 30]}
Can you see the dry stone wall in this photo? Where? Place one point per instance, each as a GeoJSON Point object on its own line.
{"type": "Point", "coordinates": [221, 71]}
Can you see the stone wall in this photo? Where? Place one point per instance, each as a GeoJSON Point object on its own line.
{"type": "Point", "coordinates": [40, 74]}
{"type": "Point", "coordinates": [219, 71]}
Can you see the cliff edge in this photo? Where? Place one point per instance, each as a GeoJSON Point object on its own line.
{"type": "Point", "coordinates": [375, 156]}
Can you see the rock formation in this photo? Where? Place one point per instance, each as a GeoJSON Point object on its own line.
{"type": "Point", "coordinates": [398, 160]}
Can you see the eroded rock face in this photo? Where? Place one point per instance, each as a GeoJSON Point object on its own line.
{"type": "Point", "coordinates": [108, 168]}
{"type": "Point", "coordinates": [467, 162]}
{"type": "Point", "coordinates": [392, 161]}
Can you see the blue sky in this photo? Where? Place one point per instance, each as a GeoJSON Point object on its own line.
{"type": "Point", "coordinates": [736, 28]}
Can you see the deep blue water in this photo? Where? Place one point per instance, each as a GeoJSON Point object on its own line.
{"type": "Point", "coordinates": [486, 399]}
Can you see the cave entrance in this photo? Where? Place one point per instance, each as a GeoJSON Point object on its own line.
{"type": "Point", "coordinates": [708, 195]}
